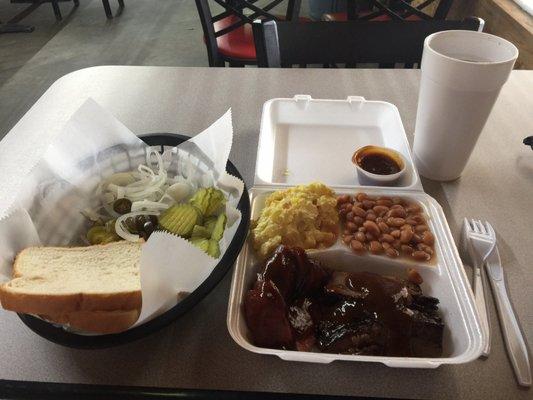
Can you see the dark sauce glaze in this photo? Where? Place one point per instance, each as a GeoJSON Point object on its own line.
{"type": "Point", "coordinates": [308, 307]}
{"type": "Point", "coordinates": [379, 163]}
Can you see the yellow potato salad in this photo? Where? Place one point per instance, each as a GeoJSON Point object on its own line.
{"type": "Point", "coordinates": [305, 216]}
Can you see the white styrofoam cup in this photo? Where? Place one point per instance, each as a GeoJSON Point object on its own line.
{"type": "Point", "coordinates": [462, 74]}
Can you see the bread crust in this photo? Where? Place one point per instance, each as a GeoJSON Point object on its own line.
{"type": "Point", "coordinates": [62, 304]}
{"type": "Point", "coordinates": [29, 303]}
{"type": "Point", "coordinates": [101, 322]}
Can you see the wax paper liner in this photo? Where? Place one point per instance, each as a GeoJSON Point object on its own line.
{"type": "Point", "coordinates": [92, 146]}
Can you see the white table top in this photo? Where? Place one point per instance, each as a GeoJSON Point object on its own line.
{"type": "Point", "coordinates": [196, 351]}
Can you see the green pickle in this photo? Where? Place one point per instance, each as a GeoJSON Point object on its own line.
{"type": "Point", "coordinates": [213, 248]}
{"type": "Point", "coordinates": [208, 201]}
{"type": "Point", "coordinates": [200, 232]}
{"type": "Point", "coordinates": [218, 229]}
{"type": "Point", "coordinates": [100, 235]}
{"type": "Point", "coordinates": [201, 243]}
{"type": "Point", "coordinates": [209, 224]}
{"type": "Point", "coordinates": [180, 219]}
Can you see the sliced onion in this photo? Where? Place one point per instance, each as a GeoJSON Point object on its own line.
{"type": "Point", "coordinates": [120, 225]}
{"type": "Point", "coordinates": [148, 206]}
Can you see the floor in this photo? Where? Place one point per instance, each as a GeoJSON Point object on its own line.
{"type": "Point", "coordinates": [162, 32]}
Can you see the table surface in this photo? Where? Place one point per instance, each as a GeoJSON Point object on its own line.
{"type": "Point", "coordinates": [197, 351]}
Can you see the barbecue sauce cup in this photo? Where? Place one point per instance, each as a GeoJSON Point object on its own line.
{"type": "Point", "coordinates": [378, 166]}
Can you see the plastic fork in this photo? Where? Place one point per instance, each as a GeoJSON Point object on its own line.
{"type": "Point", "coordinates": [514, 341]}
{"type": "Point", "coordinates": [478, 246]}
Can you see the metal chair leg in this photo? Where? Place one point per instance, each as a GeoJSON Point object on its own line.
{"type": "Point", "coordinates": [57, 11]}
{"type": "Point", "coordinates": [107, 9]}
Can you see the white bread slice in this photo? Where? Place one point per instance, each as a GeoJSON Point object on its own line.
{"type": "Point", "coordinates": [102, 322]}
{"type": "Point", "coordinates": [60, 280]}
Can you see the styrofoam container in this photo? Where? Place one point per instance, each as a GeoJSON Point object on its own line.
{"type": "Point", "coordinates": [302, 136]}
{"type": "Point", "coordinates": [282, 129]}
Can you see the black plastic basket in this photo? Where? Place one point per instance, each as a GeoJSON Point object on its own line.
{"type": "Point", "coordinates": [61, 336]}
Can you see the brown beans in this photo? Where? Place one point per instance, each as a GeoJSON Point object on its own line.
{"type": "Point", "coordinates": [420, 255]}
{"type": "Point", "coordinates": [421, 228]}
{"type": "Point", "coordinates": [428, 238]}
{"type": "Point", "coordinates": [351, 226]}
{"type": "Point", "coordinates": [367, 204]}
{"type": "Point", "coordinates": [397, 222]}
{"type": "Point", "coordinates": [386, 238]}
{"type": "Point", "coordinates": [372, 228]}
{"type": "Point", "coordinates": [380, 210]}
{"type": "Point", "coordinates": [357, 245]}
{"type": "Point", "coordinates": [419, 219]}
{"type": "Point", "coordinates": [371, 217]}
{"type": "Point", "coordinates": [406, 249]}
{"type": "Point", "coordinates": [392, 252]}
{"type": "Point", "coordinates": [361, 196]}
{"type": "Point", "coordinates": [425, 247]}
{"type": "Point", "coordinates": [360, 236]}
{"type": "Point", "coordinates": [345, 198]}
{"type": "Point", "coordinates": [359, 211]}
{"type": "Point", "coordinates": [397, 212]}
{"type": "Point", "coordinates": [397, 200]}
{"type": "Point", "coordinates": [414, 208]}
{"type": "Point", "coordinates": [375, 247]}
{"type": "Point", "coordinates": [406, 235]}
{"type": "Point", "coordinates": [382, 201]}
{"type": "Point", "coordinates": [383, 227]}
{"type": "Point", "coordinates": [384, 224]}
{"type": "Point", "coordinates": [358, 220]}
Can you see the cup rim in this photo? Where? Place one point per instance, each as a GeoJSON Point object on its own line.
{"type": "Point", "coordinates": [427, 45]}
{"type": "Point", "coordinates": [378, 177]}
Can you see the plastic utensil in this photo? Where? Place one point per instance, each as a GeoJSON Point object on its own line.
{"type": "Point", "coordinates": [514, 341]}
{"type": "Point", "coordinates": [478, 249]}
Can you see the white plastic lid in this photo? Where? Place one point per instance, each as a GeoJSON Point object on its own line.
{"type": "Point", "coordinates": [304, 140]}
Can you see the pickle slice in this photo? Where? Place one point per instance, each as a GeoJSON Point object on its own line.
{"type": "Point", "coordinates": [201, 243]}
{"type": "Point", "coordinates": [213, 248]}
{"type": "Point", "coordinates": [208, 200]}
{"type": "Point", "coordinates": [180, 219]}
{"type": "Point", "coordinates": [200, 232]}
{"type": "Point", "coordinates": [209, 224]}
{"type": "Point", "coordinates": [100, 235]}
{"type": "Point", "coordinates": [96, 234]}
{"type": "Point", "coordinates": [218, 229]}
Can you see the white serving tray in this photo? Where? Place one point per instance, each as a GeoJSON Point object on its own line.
{"type": "Point", "coordinates": [294, 126]}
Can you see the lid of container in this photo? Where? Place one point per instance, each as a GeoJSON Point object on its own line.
{"type": "Point", "coordinates": [304, 140]}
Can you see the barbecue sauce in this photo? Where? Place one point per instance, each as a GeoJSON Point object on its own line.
{"type": "Point", "coordinates": [379, 163]}
{"type": "Point", "coordinates": [378, 160]}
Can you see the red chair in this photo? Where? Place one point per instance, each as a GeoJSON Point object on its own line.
{"type": "Point", "coordinates": [228, 36]}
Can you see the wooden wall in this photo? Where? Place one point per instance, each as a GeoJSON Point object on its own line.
{"type": "Point", "coordinates": [503, 18]}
